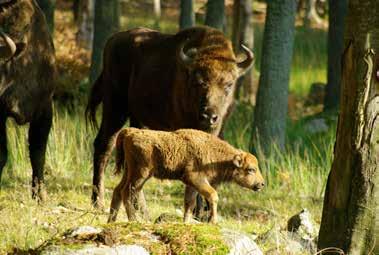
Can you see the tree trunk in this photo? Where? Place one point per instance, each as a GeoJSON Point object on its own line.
{"type": "Point", "coordinates": [48, 8]}
{"type": "Point", "coordinates": [85, 23]}
{"type": "Point", "coordinates": [271, 108]}
{"type": "Point", "coordinates": [215, 16]}
{"type": "Point", "coordinates": [348, 218]}
{"type": "Point", "coordinates": [337, 13]}
{"type": "Point", "coordinates": [243, 33]}
{"type": "Point", "coordinates": [187, 14]}
{"type": "Point", "coordinates": [157, 13]}
{"type": "Point", "coordinates": [106, 23]}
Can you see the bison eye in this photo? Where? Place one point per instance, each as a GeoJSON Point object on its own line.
{"type": "Point", "coordinates": [228, 87]}
{"type": "Point", "coordinates": [251, 170]}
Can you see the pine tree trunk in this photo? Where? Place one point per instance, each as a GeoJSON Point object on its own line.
{"type": "Point", "coordinates": [187, 14]}
{"type": "Point", "coordinates": [157, 13]}
{"type": "Point", "coordinates": [271, 107]}
{"type": "Point", "coordinates": [106, 23]}
{"type": "Point", "coordinates": [337, 13]}
{"type": "Point", "coordinates": [85, 22]}
{"type": "Point", "coordinates": [48, 8]}
{"type": "Point", "coordinates": [348, 219]}
{"type": "Point", "coordinates": [243, 33]}
{"type": "Point", "coordinates": [215, 16]}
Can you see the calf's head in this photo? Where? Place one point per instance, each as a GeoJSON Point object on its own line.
{"type": "Point", "coordinates": [246, 173]}
{"type": "Point", "coordinates": [212, 72]}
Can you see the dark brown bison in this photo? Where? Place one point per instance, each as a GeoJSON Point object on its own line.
{"type": "Point", "coordinates": [165, 82]}
{"type": "Point", "coordinates": [27, 70]}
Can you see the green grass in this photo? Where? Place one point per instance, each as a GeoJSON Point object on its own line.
{"type": "Point", "coordinates": [295, 178]}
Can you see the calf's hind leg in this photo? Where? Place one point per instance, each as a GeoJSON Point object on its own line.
{"type": "Point", "coordinates": [38, 134]}
{"type": "Point", "coordinates": [116, 199]}
{"type": "Point", "coordinates": [189, 202]}
{"type": "Point", "coordinates": [3, 143]}
{"type": "Point", "coordinates": [131, 192]}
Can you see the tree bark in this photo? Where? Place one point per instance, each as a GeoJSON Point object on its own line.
{"type": "Point", "coordinates": [85, 23]}
{"type": "Point", "coordinates": [48, 8]}
{"type": "Point", "coordinates": [215, 15]}
{"type": "Point", "coordinates": [243, 33]}
{"type": "Point", "coordinates": [349, 212]}
{"type": "Point", "coordinates": [337, 13]}
{"type": "Point", "coordinates": [270, 113]}
{"type": "Point", "coordinates": [187, 14]}
{"type": "Point", "coordinates": [157, 13]}
{"type": "Point", "coordinates": [106, 23]}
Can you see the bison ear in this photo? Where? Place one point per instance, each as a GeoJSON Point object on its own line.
{"type": "Point", "coordinates": [237, 160]}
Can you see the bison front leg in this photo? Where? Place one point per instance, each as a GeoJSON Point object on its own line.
{"type": "Point", "coordinates": [38, 134]}
{"type": "Point", "coordinates": [189, 202]}
{"type": "Point", "coordinates": [112, 122]}
{"type": "Point", "coordinates": [3, 143]}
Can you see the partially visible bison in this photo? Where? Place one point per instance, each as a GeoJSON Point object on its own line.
{"type": "Point", "coordinates": [164, 82]}
{"type": "Point", "coordinates": [27, 71]}
{"type": "Point", "coordinates": [200, 160]}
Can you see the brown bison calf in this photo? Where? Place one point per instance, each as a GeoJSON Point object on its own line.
{"type": "Point", "coordinates": [200, 160]}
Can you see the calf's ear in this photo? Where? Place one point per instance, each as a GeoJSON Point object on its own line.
{"type": "Point", "coordinates": [237, 160]}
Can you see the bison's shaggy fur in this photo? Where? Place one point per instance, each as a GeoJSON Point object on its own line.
{"type": "Point", "coordinates": [200, 160]}
{"type": "Point", "coordinates": [163, 82]}
{"type": "Point", "coordinates": [27, 73]}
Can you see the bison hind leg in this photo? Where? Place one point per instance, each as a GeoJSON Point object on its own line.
{"type": "Point", "coordinates": [3, 143]}
{"type": "Point", "coordinates": [38, 135]}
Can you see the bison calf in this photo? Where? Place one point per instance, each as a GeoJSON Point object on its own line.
{"type": "Point", "coordinates": [200, 160]}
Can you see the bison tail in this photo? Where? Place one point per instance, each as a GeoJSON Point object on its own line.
{"type": "Point", "coordinates": [94, 100]}
{"type": "Point", "coordinates": [120, 153]}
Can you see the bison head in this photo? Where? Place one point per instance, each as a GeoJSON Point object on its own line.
{"type": "Point", "coordinates": [246, 173]}
{"type": "Point", "coordinates": [16, 16]}
{"type": "Point", "coordinates": [212, 72]}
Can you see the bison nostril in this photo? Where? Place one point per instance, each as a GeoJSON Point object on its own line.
{"type": "Point", "coordinates": [204, 116]}
{"type": "Point", "coordinates": [213, 119]}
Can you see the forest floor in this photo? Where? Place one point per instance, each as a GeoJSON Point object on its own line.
{"type": "Point", "coordinates": [295, 178]}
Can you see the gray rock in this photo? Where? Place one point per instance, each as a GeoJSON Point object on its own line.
{"type": "Point", "coordinates": [302, 224]}
{"type": "Point", "coordinates": [240, 243]}
{"type": "Point", "coordinates": [316, 126]}
{"type": "Point", "coordinates": [83, 231]}
{"type": "Point", "coordinates": [97, 250]}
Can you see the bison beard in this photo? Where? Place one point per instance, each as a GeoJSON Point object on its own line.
{"type": "Point", "coordinates": [26, 54]}
{"type": "Point", "coordinates": [163, 82]}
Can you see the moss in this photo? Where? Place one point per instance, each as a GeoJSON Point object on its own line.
{"type": "Point", "coordinates": [165, 238]}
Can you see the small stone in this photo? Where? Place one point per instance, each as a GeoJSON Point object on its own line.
{"type": "Point", "coordinates": [240, 243]}
{"type": "Point", "coordinates": [83, 231]}
{"type": "Point", "coordinates": [316, 126]}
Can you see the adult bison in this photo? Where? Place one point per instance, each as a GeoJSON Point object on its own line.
{"type": "Point", "coordinates": [162, 81]}
{"type": "Point", "coordinates": [27, 70]}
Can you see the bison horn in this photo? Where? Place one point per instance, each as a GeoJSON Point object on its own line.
{"type": "Point", "coordinates": [186, 58]}
{"type": "Point", "coordinates": [246, 64]}
{"type": "Point", "coordinates": [10, 49]}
